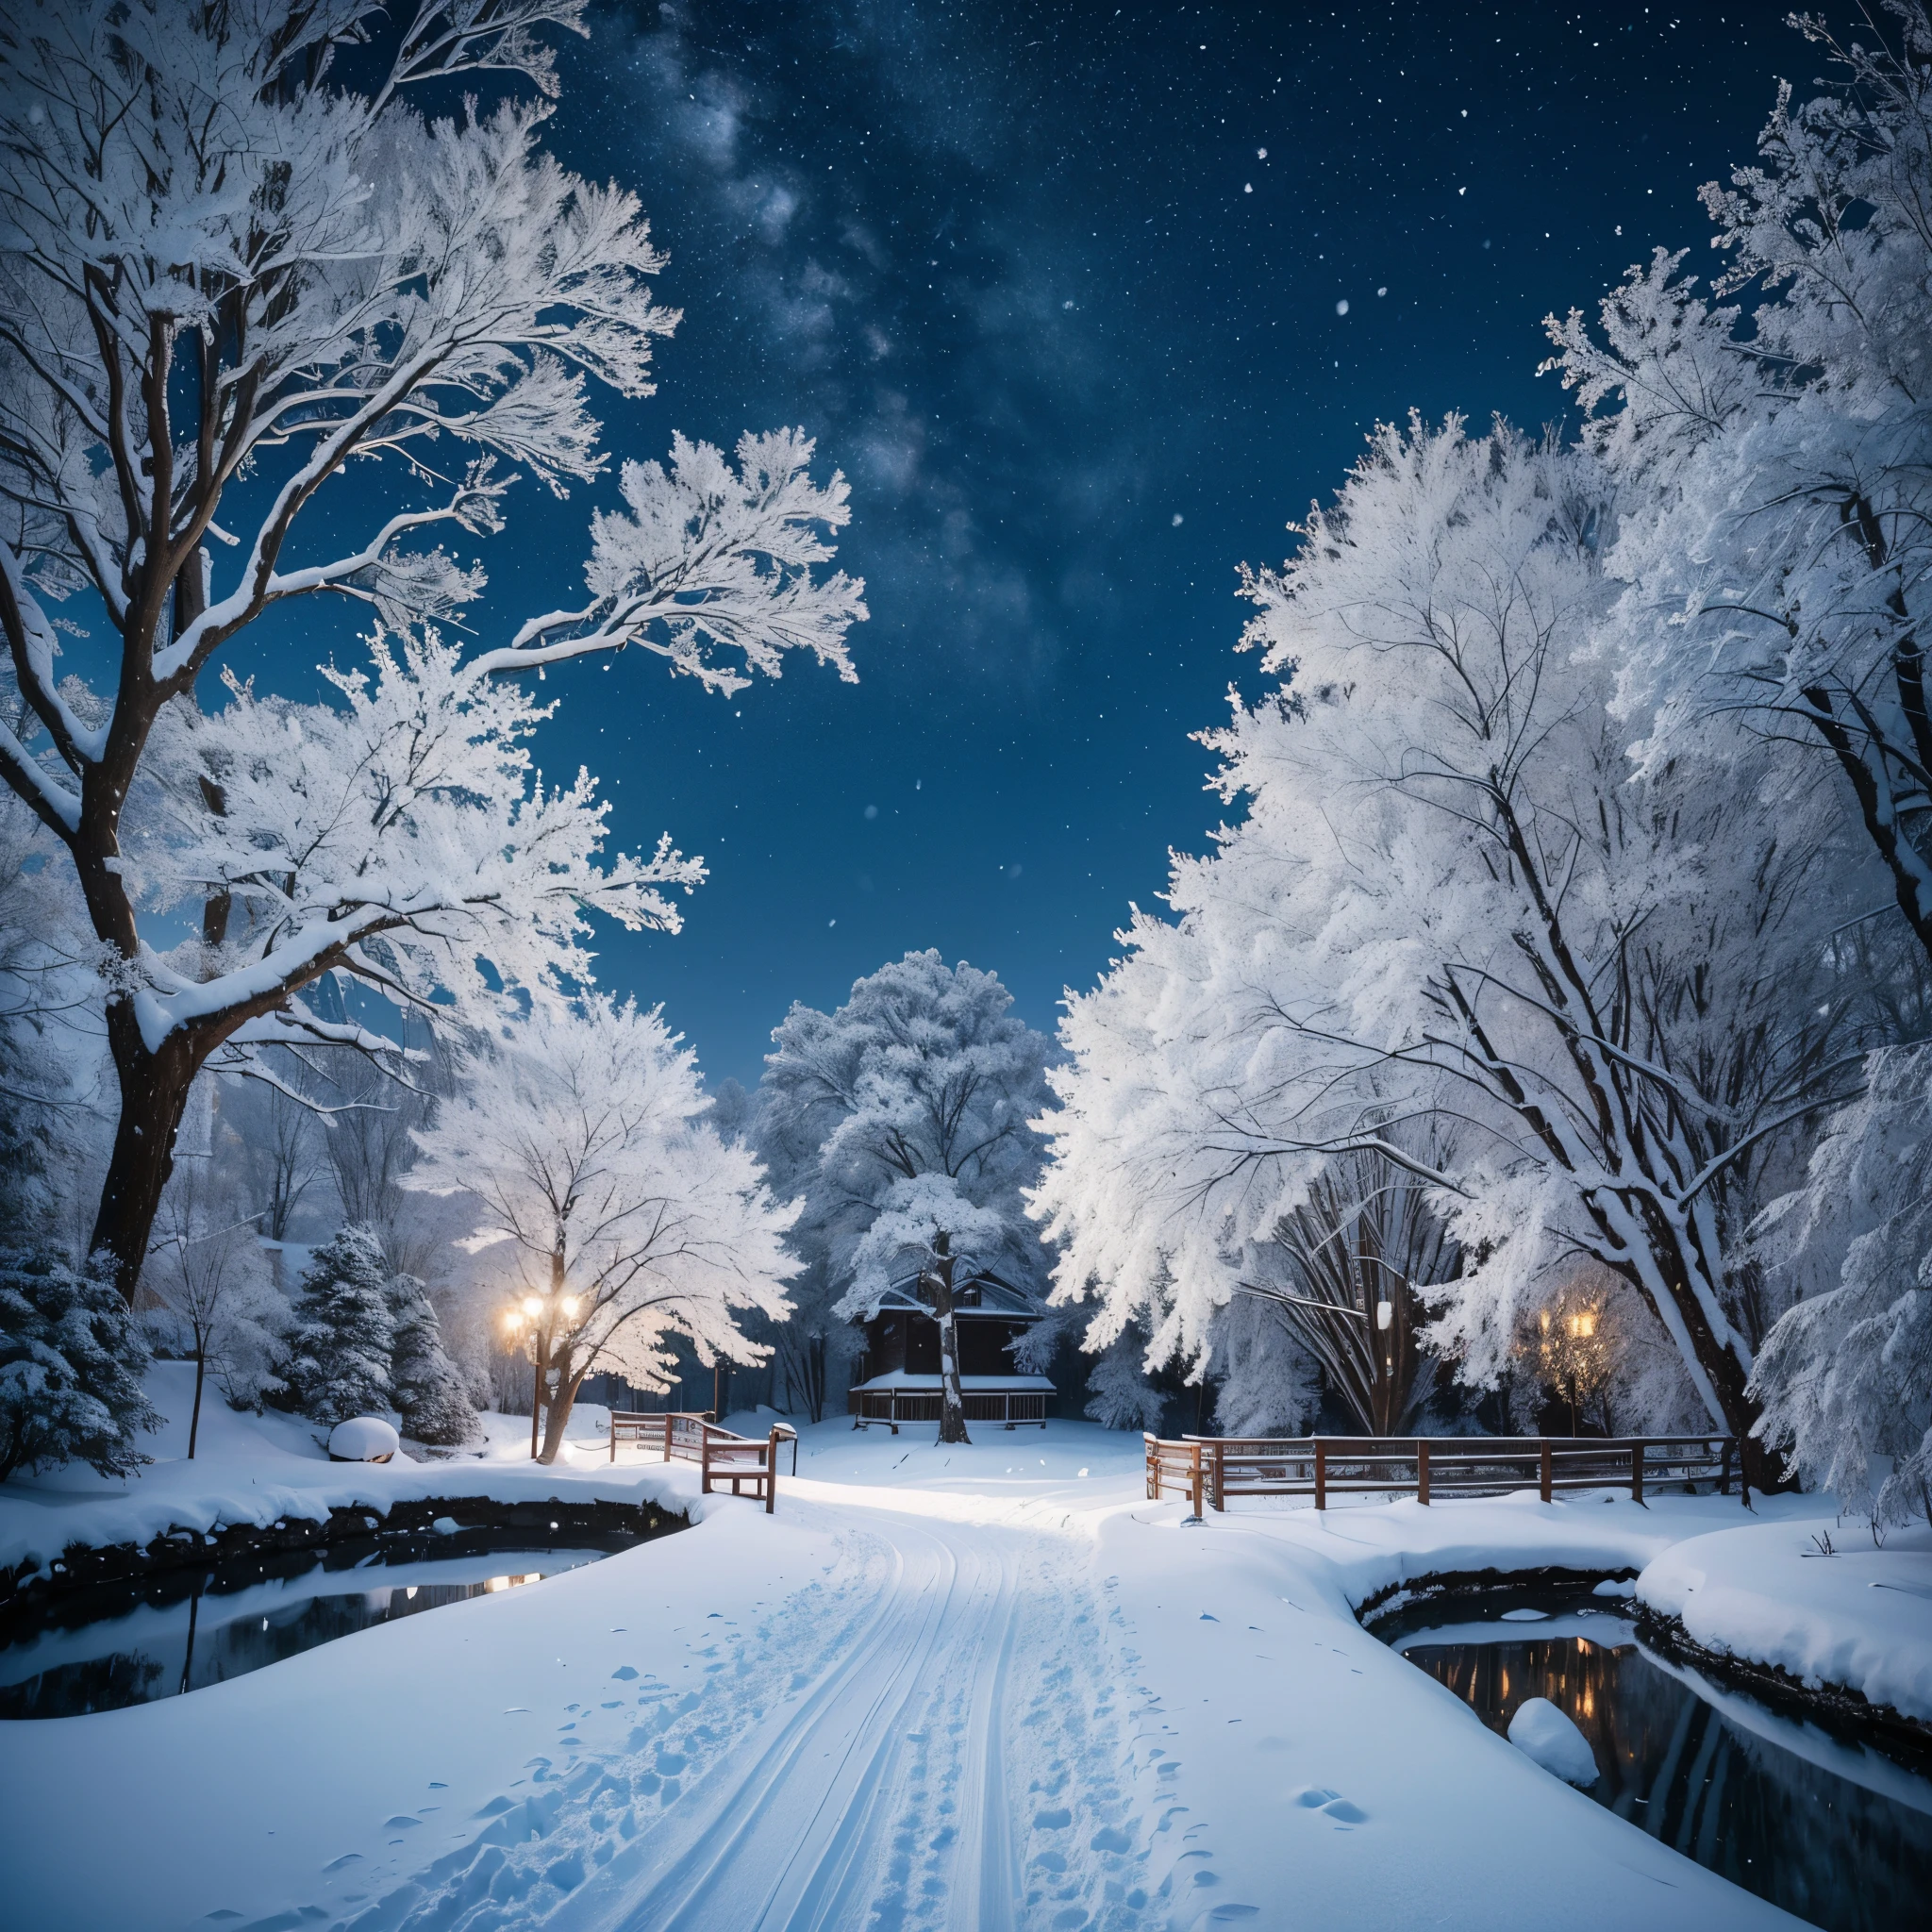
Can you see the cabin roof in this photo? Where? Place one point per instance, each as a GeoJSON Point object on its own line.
{"type": "Point", "coordinates": [996, 1297]}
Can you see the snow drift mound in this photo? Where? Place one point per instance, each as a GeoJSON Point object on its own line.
{"type": "Point", "coordinates": [1541, 1731]}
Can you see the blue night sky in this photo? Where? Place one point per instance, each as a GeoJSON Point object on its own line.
{"type": "Point", "coordinates": [1028, 278]}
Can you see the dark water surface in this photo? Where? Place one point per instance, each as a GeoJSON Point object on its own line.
{"type": "Point", "coordinates": [162, 1636]}
{"type": "Point", "coordinates": [1816, 1821]}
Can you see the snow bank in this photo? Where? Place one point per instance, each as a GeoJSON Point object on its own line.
{"type": "Point", "coordinates": [262, 1469]}
{"type": "Point", "coordinates": [1862, 1618]}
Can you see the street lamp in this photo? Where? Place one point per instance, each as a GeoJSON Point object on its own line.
{"type": "Point", "coordinates": [540, 1312]}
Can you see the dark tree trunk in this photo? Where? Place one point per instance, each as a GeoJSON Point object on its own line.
{"type": "Point", "coordinates": [154, 1097]}
{"type": "Point", "coordinates": [952, 1399]}
{"type": "Point", "coordinates": [195, 1420]}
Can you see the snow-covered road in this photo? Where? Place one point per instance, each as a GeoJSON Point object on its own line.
{"type": "Point", "coordinates": [939, 1690]}
{"type": "Point", "coordinates": [884, 1794]}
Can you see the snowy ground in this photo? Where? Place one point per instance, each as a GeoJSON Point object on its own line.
{"type": "Point", "coordinates": [972, 1688]}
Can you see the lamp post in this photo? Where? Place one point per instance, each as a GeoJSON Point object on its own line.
{"type": "Point", "coordinates": [533, 1321]}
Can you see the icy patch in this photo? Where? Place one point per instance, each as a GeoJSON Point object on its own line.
{"type": "Point", "coordinates": [1541, 1731]}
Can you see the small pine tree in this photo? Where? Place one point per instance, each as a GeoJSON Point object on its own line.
{"type": "Point", "coordinates": [345, 1334]}
{"type": "Point", "coordinates": [429, 1389]}
{"type": "Point", "coordinates": [71, 1367]}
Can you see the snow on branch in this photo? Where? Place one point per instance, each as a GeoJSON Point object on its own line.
{"type": "Point", "coordinates": [410, 814]}
{"type": "Point", "coordinates": [707, 563]}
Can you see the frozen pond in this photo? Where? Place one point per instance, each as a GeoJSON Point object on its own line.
{"type": "Point", "coordinates": [1814, 1820]}
{"type": "Point", "coordinates": [189, 1628]}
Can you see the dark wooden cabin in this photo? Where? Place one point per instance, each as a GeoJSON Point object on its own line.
{"type": "Point", "coordinates": [897, 1376]}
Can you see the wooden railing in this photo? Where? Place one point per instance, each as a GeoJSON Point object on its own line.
{"type": "Point", "coordinates": [1011, 1408]}
{"type": "Point", "coordinates": [1209, 1469]}
{"type": "Point", "coordinates": [720, 1454]}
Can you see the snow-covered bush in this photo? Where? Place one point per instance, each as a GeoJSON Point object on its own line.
{"type": "Point", "coordinates": [72, 1360]}
{"type": "Point", "coordinates": [343, 1340]}
{"type": "Point", "coordinates": [1846, 1374]}
{"type": "Point", "coordinates": [431, 1393]}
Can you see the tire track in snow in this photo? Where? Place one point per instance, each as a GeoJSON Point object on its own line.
{"type": "Point", "coordinates": [928, 1740]}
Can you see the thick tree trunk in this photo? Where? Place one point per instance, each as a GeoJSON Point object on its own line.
{"type": "Point", "coordinates": [154, 1097]}
{"type": "Point", "coordinates": [558, 1414]}
{"type": "Point", "coordinates": [952, 1399]}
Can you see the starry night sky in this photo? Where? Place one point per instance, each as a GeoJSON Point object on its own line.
{"type": "Point", "coordinates": [1079, 345]}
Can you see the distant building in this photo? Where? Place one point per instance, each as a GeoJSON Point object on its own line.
{"type": "Point", "coordinates": [898, 1373]}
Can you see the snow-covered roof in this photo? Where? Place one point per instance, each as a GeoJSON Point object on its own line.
{"type": "Point", "coordinates": [901, 1378]}
{"type": "Point", "coordinates": [994, 1297]}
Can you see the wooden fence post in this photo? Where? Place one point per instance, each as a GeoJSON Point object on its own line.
{"type": "Point", "coordinates": [1422, 1473]}
{"type": "Point", "coordinates": [614, 1435]}
{"type": "Point", "coordinates": [1147, 1441]}
{"type": "Point", "coordinates": [1320, 1473]}
{"type": "Point", "coordinates": [1194, 1480]}
{"type": "Point", "coordinates": [1724, 1482]}
{"type": "Point", "coordinates": [704, 1458]}
{"type": "Point", "coordinates": [666, 1420]}
{"type": "Point", "coordinates": [1636, 1471]}
{"type": "Point", "coordinates": [1544, 1470]}
{"type": "Point", "coordinates": [1214, 1492]}
{"type": "Point", "coordinates": [772, 1471]}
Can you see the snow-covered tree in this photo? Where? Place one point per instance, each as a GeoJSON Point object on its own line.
{"type": "Point", "coordinates": [1450, 911]}
{"type": "Point", "coordinates": [1271, 1385]}
{"type": "Point", "coordinates": [431, 1393]}
{"type": "Point", "coordinates": [342, 1338]}
{"type": "Point", "coordinates": [1846, 1374]}
{"type": "Point", "coordinates": [50, 1047]}
{"type": "Point", "coordinates": [579, 1141]}
{"type": "Point", "coordinates": [918, 1094]}
{"type": "Point", "coordinates": [231, 268]}
{"type": "Point", "coordinates": [1119, 1394]}
{"type": "Point", "coordinates": [207, 1282]}
{"type": "Point", "coordinates": [1776, 452]}
{"type": "Point", "coordinates": [72, 1360]}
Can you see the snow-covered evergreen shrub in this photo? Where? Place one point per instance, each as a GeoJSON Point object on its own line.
{"type": "Point", "coordinates": [344, 1335]}
{"type": "Point", "coordinates": [430, 1392]}
{"type": "Point", "coordinates": [71, 1367]}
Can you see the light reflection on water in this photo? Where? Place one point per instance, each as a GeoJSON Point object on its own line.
{"type": "Point", "coordinates": [214, 1627]}
{"type": "Point", "coordinates": [1816, 1822]}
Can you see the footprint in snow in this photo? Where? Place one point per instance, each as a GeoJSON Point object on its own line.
{"type": "Point", "coordinates": [1332, 1804]}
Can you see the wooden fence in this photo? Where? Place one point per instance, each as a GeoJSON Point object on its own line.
{"type": "Point", "coordinates": [1011, 1408]}
{"type": "Point", "coordinates": [720, 1455]}
{"type": "Point", "coordinates": [1209, 1469]}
